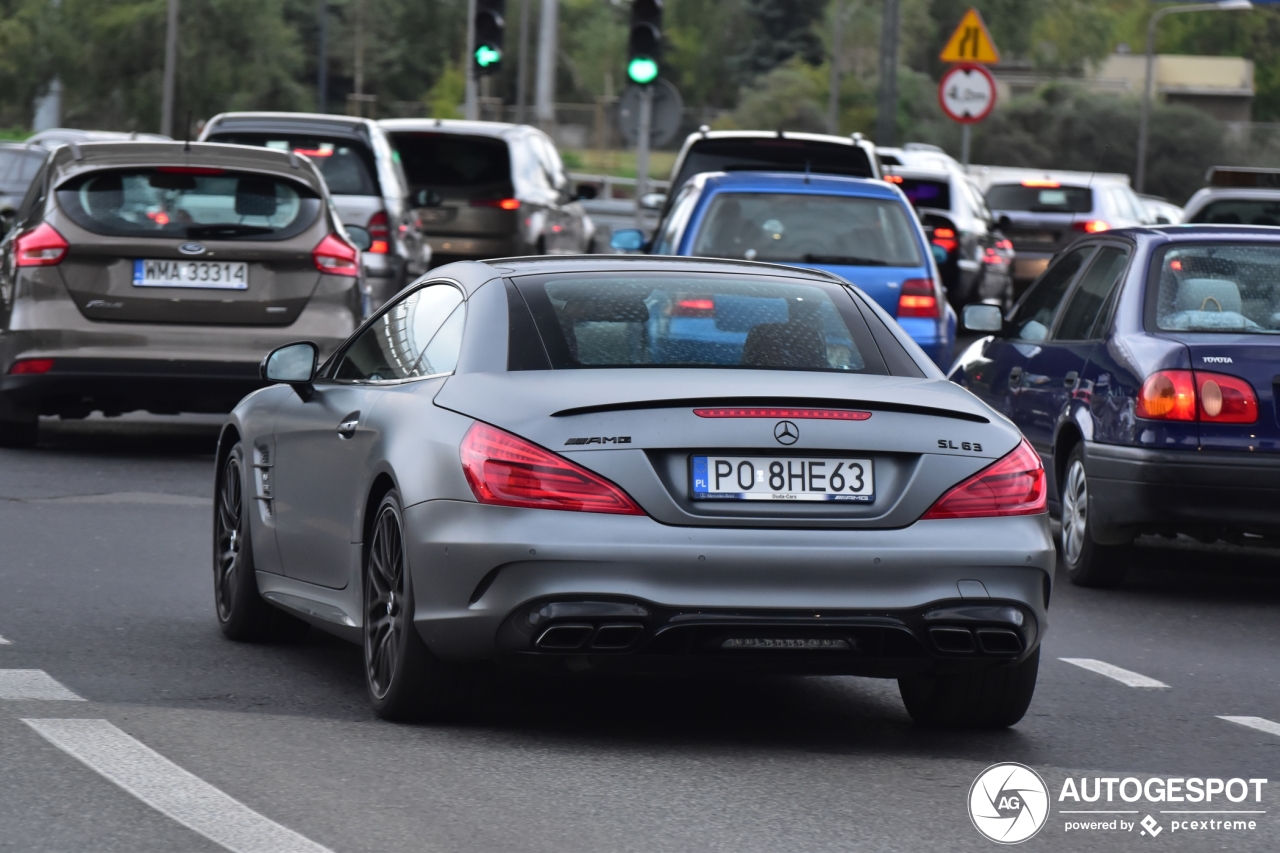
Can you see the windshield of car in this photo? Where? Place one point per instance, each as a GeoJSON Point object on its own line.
{"type": "Point", "coordinates": [1219, 287]}
{"type": "Point", "coordinates": [347, 166]}
{"type": "Point", "coordinates": [756, 322]}
{"type": "Point", "coordinates": [773, 155]}
{"type": "Point", "coordinates": [453, 160]}
{"type": "Point", "coordinates": [923, 192]}
{"type": "Point", "coordinates": [1240, 211]}
{"type": "Point", "coordinates": [809, 229]}
{"type": "Point", "coordinates": [17, 167]}
{"type": "Point", "coordinates": [192, 202]}
{"type": "Point", "coordinates": [1040, 199]}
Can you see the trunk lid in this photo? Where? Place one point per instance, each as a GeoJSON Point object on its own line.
{"type": "Point", "coordinates": [637, 427]}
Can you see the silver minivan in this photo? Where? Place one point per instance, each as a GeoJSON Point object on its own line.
{"type": "Point", "coordinates": [365, 180]}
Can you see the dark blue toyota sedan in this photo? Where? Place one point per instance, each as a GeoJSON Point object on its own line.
{"type": "Point", "coordinates": [1144, 366]}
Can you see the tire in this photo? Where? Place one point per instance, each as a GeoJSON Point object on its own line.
{"type": "Point", "coordinates": [243, 615]}
{"type": "Point", "coordinates": [1087, 562]}
{"type": "Point", "coordinates": [404, 680]}
{"type": "Point", "coordinates": [23, 433]}
{"type": "Point", "coordinates": [987, 699]}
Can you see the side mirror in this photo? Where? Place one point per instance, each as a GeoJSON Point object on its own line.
{"type": "Point", "coordinates": [586, 192]}
{"type": "Point", "coordinates": [653, 201]}
{"type": "Point", "coordinates": [293, 364]}
{"type": "Point", "coordinates": [427, 198]}
{"type": "Point", "coordinates": [981, 317]}
{"type": "Point", "coordinates": [627, 240]}
{"type": "Point", "coordinates": [360, 237]}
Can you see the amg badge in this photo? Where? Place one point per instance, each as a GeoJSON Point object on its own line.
{"type": "Point", "coordinates": [601, 439]}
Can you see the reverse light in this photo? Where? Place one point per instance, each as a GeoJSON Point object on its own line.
{"type": "Point", "coordinates": [30, 366]}
{"type": "Point", "coordinates": [775, 414]}
{"type": "Point", "coordinates": [379, 228]}
{"type": "Point", "coordinates": [1090, 226]}
{"type": "Point", "coordinates": [1013, 485]}
{"type": "Point", "coordinates": [919, 298]}
{"type": "Point", "coordinates": [336, 257]}
{"type": "Point", "coordinates": [500, 203]}
{"type": "Point", "coordinates": [1168, 395]}
{"type": "Point", "coordinates": [505, 470]}
{"type": "Point", "coordinates": [42, 246]}
{"type": "Point", "coordinates": [1226, 399]}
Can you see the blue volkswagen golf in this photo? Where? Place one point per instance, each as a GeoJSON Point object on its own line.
{"type": "Point", "coordinates": [864, 231]}
{"type": "Point", "coordinates": [1144, 366]}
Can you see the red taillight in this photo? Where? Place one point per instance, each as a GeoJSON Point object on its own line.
{"type": "Point", "coordinates": [798, 414]}
{"type": "Point", "coordinates": [699, 306]}
{"type": "Point", "coordinates": [1014, 485]}
{"type": "Point", "coordinates": [379, 233]}
{"type": "Point", "coordinates": [28, 366]}
{"type": "Point", "coordinates": [1169, 395]}
{"type": "Point", "coordinates": [919, 298]}
{"type": "Point", "coordinates": [1091, 226]}
{"type": "Point", "coordinates": [893, 179]}
{"type": "Point", "coordinates": [506, 470]}
{"type": "Point", "coordinates": [336, 257]}
{"type": "Point", "coordinates": [500, 203]}
{"type": "Point", "coordinates": [945, 238]}
{"type": "Point", "coordinates": [42, 246]}
{"type": "Point", "coordinates": [1039, 183]}
{"type": "Point", "coordinates": [1004, 245]}
{"type": "Point", "coordinates": [1226, 399]}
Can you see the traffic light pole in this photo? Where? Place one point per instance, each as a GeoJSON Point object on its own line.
{"type": "Point", "coordinates": [642, 151]}
{"type": "Point", "coordinates": [471, 107]}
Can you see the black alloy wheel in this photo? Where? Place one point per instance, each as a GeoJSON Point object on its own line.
{"type": "Point", "coordinates": [404, 680]}
{"type": "Point", "coordinates": [243, 615]}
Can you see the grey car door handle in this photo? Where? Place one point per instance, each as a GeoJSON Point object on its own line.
{"type": "Point", "coordinates": [1069, 381]}
{"type": "Point", "coordinates": [346, 429]}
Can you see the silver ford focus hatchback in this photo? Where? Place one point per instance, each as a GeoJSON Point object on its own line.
{"type": "Point", "coordinates": [637, 463]}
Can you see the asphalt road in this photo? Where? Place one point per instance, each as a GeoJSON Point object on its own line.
{"type": "Point", "coordinates": [105, 588]}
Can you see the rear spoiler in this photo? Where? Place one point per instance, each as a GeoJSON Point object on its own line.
{"type": "Point", "coordinates": [1243, 177]}
{"type": "Point", "coordinates": [770, 402]}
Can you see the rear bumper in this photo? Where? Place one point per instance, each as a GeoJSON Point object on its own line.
{"type": "Point", "coordinates": [447, 248]}
{"type": "Point", "coordinates": [1135, 490]}
{"type": "Point", "coordinates": [489, 582]}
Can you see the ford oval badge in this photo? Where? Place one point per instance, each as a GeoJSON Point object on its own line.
{"type": "Point", "coordinates": [191, 249]}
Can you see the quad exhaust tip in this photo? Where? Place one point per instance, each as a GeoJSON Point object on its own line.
{"type": "Point", "coordinates": [990, 641]}
{"type": "Point", "coordinates": [612, 636]}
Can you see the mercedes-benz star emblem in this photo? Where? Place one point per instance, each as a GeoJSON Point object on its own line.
{"type": "Point", "coordinates": [786, 432]}
{"type": "Point", "coordinates": [191, 249]}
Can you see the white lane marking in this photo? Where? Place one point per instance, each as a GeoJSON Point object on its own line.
{"type": "Point", "coordinates": [4, 642]}
{"type": "Point", "coordinates": [1124, 676]}
{"type": "Point", "coordinates": [1260, 723]}
{"type": "Point", "coordinates": [169, 789]}
{"type": "Point", "coordinates": [20, 684]}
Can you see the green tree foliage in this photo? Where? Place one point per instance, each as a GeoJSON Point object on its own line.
{"type": "Point", "coordinates": [781, 29]}
{"type": "Point", "coordinates": [26, 62]}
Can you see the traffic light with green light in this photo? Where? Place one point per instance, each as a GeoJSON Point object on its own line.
{"type": "Point", "coordinates": [644, 47]}
{"type": "Point", "coordinates": [490, 25]}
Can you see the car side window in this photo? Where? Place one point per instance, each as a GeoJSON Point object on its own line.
{"type": "Point", "coordinates": [1086, 303]}
{"type": "Point", "coordinates": [675, 223]}
{"type": "Point", "coordinates": [419, 335]}
{"type": "Point", "coordinates": [1034, 315]}
{"type": "Point", "coordinates": [550, 161]}
{"type": "Point", "coordinates": [31, 204]}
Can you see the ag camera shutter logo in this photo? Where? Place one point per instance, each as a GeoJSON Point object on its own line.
{"type": "Point", "coordinates": [1008, 803]}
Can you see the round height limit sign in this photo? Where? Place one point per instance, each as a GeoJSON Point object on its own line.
{"type": "Point", "coordinates": [967, 93]}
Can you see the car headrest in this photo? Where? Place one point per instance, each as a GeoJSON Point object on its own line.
{"type": "Point", "coordinates": [256, 197]}
{"type": "Point", "coordinates": [1208, 294]}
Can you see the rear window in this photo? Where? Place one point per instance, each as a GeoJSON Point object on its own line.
{"type": "Point", "coordinates": [1040, 199]}
{"type": "Point", "coordinates": [808, 229]}
{"type": "Point", "coordinates": [773, 155]}
{"type": "Point", "coordinates": [347, 166]}
{"type": "Point", "coordinates": [17, 167]}
{"type": "Point", "coordinates": [925, 193]}
{"type": "Point", "coordinates": [1239, 211]}
{"type": "Point", "coordinates": [662, 320]}
{"type": "Point", "coordinates": [1219, 287]}
{"type": "Point", "coordinates": [450, 160]}
{"type": "Point", "coordinates": [188, 202]}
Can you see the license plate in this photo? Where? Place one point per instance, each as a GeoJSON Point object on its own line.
{"type": "Point", "coordinates": [766, 478]}
{"type": "Point", "coordinates": [220, 275]}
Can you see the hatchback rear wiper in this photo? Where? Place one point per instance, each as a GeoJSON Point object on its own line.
{"type": "Point", "coordinates": [844, 260]}
{"type": "Point", "coordinates": [225, 232]}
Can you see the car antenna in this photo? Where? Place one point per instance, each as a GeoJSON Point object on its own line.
{"type": "Point", "coordinates": [186, 146]}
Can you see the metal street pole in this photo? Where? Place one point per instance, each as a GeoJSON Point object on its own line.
{"type": "Point", "coordinates": [471, 106]}
{"type": "Point", "coordinates": [966, 139]}
{"type": "Point", "coordinates": [1148, 89]}
{"type": "Point", "coordinates": [833, 96]}
{"type": "Point", "coordinates": [642, 150]}
{"type": "Point", "coordinates": [170, 70]}
{"type": "Point", "coordinates": [545, 85]}
{"type": "Point", "coordinates": [887, 96]}
{"type": "Point", "coordinates": [322, 59]}
{"type": "Point", "coordinates": [522, 66]}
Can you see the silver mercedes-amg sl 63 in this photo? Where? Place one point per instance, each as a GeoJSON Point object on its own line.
{"type": "Point", "coordinates": [637, 463]}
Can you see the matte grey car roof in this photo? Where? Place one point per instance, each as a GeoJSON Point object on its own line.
{"type": "Point", "coordinates": [543, 264]}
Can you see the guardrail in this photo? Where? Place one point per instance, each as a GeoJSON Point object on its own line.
{"type": "Point", "coordinates": [607, 183]}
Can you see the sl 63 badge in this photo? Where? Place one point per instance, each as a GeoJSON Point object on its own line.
{"type": "Point", "coordinates": [947, 444]}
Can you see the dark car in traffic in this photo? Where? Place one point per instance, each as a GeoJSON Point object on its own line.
{"type": "Point", "coordinates": [152, 275]}
{"type": "Point", "coordinates": [1144, 366]}
{"type": "Point", "coordinates": [18, 166]}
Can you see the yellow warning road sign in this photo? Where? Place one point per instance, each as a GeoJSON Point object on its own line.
{"type": "Point", "coordinates": [971, 42]}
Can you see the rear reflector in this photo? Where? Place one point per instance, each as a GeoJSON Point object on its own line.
{"type": "Point", "coordinates": [506, 470]}
{"type": "Point", "coordinates": [798, 414]}
{"type": "Point", "coordinates": [1014, 485]}
{"type": "Point", "coordinates": [29, 366]}
{"type": "Point", "coordinates": [919, 298]}
{"type": "Point", "coordinates": [42, 246]}
{"type": "Point", "coordinates": [336, 257]}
